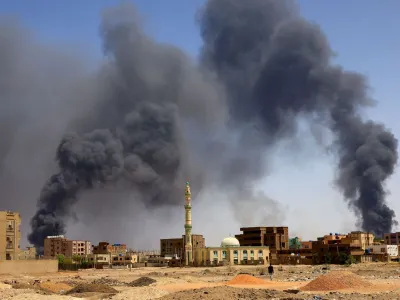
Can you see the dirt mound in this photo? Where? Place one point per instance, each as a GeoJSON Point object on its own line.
{"type": "Point", "coordinates": [226, 292]}
{"type": "Point", "coordinates": [246, 279]}
{"type": "Point", "coordinates": [92, 288]}
{"type": "Point", "coordinates": [142, 281]}
{"type": "Point", "coordinates": [55, 287]}
{"type": "Point", "coordinates": [108, 281]}
{"type": "Point", "coordinates": [336, 280]}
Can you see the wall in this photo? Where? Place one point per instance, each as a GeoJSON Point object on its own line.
{"type": "Point", "coordinates": [28, 266]}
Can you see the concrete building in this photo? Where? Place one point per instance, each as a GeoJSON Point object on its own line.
{"type": "Point", "coordinates": [365, 239]}
{"type": "Point", "coordinates": [28, 253]}
{"type": "Point", "coordinates": [306, 245]}
{"type": "Point", "coordinates": [107, 248]}
{"type": "Point", "coordinates": [175, 246]}
{"type": "Point", "coordinates": [392, 238]}
{"type": "Point", "coordinates": [55, 245]}
{"type": "Point", "coordinates": [10, 235]}
{"type": "Point", "coordinates": [386, 250]}
{"type": "Point", "coordinates": [276, 238]}
{"type": "Point", "coordinates": [231, 253]}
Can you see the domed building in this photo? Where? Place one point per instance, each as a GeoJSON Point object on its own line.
{"type": "Point", "coordinates": [230, 252]}
{"type": "Point", "coordinates": [230, 242]}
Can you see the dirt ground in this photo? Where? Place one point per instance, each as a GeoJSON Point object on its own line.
{"type": "Point", "coordinates": [378, 281]}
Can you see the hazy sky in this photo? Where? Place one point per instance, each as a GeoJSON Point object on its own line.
{"type": "Point", "coordinates": [365, 35]}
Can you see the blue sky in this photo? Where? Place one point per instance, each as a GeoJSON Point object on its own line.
{"type": "Point", "coordinates": [364, 33]}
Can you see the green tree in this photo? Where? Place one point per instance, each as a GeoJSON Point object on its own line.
{"type": "Point", "coordinates": [61, 258]}
{"type": "Point", "coordinates": [294, 243]}
{"type": "Point", "coordinates": [67, 261]}
{"type": "Point", "coordinates": [350, 260]}
{"type": "Point", "coordinates": [77, 258]}
{"type": "Point", "coordinates": [328, 258]}
{"type": "Point", "coordinates": [315, 258]}
{"type": "Point", "coordinates": [346, 259]}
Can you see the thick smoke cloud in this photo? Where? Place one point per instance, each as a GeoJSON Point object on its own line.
{"type": "Point", "coordinates": [154, 118]}
{"type": "Point", "coordinates": [277, 67]}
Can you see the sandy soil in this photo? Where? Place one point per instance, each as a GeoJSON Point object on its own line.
{"type": "Point", "coordinates": [200, 283]}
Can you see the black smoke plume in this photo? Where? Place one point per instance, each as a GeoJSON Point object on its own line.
{"type": "Point", "coordinates": [277, 67]}
{"type": "Point", "coordinates": [160, 118]}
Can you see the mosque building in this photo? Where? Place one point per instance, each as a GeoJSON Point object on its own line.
{"type": "Point", "coordinates": [231, 253]}
{"type": "Point", "coordinates": [192, 250]}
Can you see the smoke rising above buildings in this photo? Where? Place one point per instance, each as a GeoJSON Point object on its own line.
{"type": "Point", "coordinates": [157, 117]}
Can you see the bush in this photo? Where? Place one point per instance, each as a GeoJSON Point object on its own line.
{"type": "Point", "coordinates": [328, 258]}
{"type": "Point", "coordinates": [61, 258]}
{"type": "Point", "coordinates": [350, 260]}
{"type": "Point", "coordinates": [346, 259]}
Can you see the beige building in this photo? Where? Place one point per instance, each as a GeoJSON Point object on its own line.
{"type": "Point", "coordinates": [113, 259]}
{"type": "Point", "coordinates": [230, 252]}
{"type": "Point", "coordinates": [55, 245]}
{"type": "Point", "coordinates": [10, 235]}
{"type": "Point", "coordinates": [362, 239]}
{"type": "Point", "coordinates": [28, 253]}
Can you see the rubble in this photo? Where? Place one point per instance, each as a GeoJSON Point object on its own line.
{"type": "Point", "coordinates": [142, 281]}
{"type": "Point", "coordinates": [108, 281]}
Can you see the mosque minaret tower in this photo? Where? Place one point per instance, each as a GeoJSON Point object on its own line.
{"type": "Point", "coordinates": [188, 226]}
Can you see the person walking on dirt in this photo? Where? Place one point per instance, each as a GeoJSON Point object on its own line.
{"type": "Point", "coordinates": [271, 271]}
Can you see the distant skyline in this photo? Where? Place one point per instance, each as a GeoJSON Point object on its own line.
{"type": "Point", "coordinates": [364, 33]}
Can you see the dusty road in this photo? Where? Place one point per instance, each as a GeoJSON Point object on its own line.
{"type": "Point", "coordinates": [363, 281]}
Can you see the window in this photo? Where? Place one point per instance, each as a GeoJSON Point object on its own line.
{"type": "Point", "coordinates": [215, 254]}
{"type": "Point", "coordinates": [223, 254]}
{"type": "Point", "coordinates": [251, 252]}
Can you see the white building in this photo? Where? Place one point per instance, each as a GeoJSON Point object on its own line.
{"type": "Point", "coordinates": [390, 250]}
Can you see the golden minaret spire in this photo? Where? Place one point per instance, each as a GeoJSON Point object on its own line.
{"type": "Point", "coordinates": [188, 226]}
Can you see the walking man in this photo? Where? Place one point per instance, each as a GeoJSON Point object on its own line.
{"type": "Point", "coordinates": [271, 271]}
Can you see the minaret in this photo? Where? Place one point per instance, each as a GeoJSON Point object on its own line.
{"type": "Point", "coordinates": [188, 226]}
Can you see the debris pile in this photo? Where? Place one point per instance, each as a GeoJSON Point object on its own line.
{"type": "Point", "coordinates": [336, 280]}
{"type": "Point", "coordinates": [246, 279]}
{"type": "Point", "coordinates": [108, 281]}
{"type": "Point", "coordinates": [92, 288]}
{"type": "Point", "coordinates": [142, 281]}
{"type": "Point", "coordinates": [226, 292]}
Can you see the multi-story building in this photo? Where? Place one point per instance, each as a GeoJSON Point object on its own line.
{"type": "Point", "coordinates": [364, 239]}
{"type": "Point", "coordinates": [276, 238]}
{"type": "Point", "coordinates": [392, 238]}
{"type": "Point", "coordinates": [10, 235]}
{"type": "Point", "coordinates": [106, 248]}
{"type": "Point", "coordinates": [176, 246]}
{"type": "Point", "coordinates": [55, 245]}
